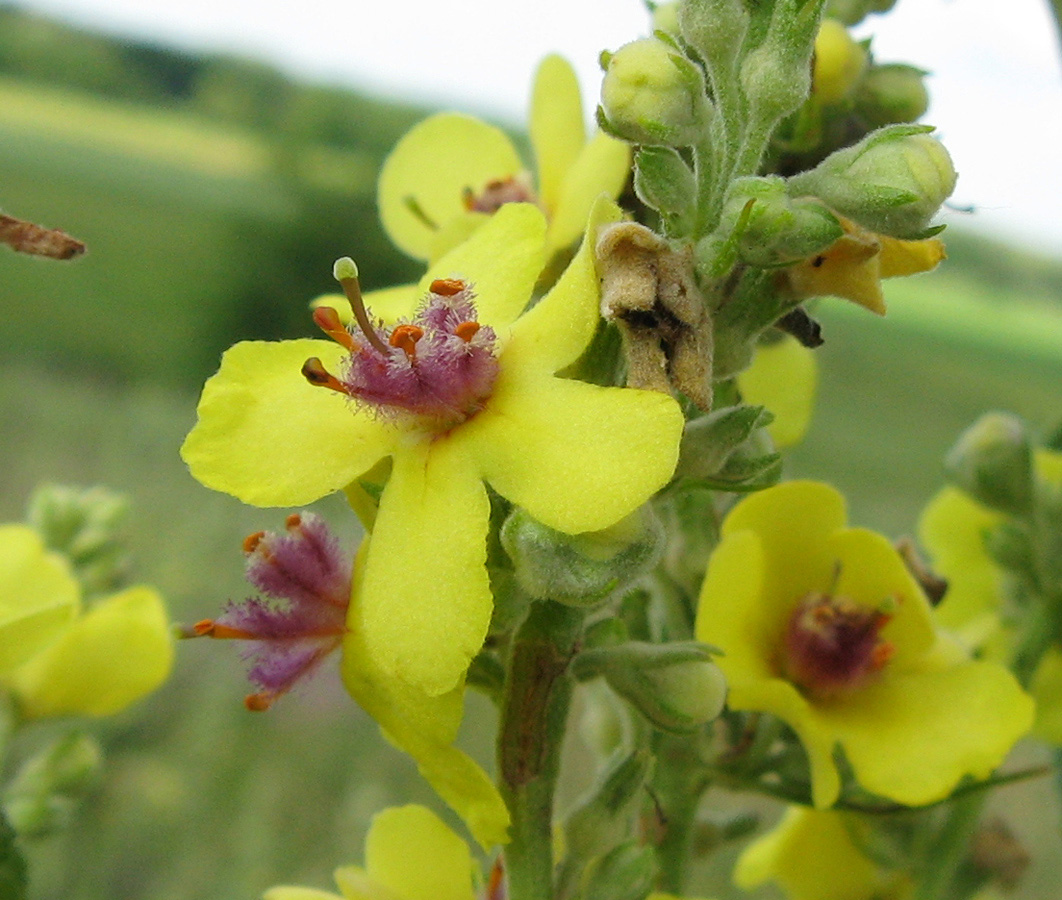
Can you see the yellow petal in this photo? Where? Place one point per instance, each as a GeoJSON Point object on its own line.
{"type": "Point", "coordinates": [899, 258]}
{"type": "Point", "coordinates": [270, 438]}
{"type": "Point", "coordinates": [410, 851]}
{"type": "Point", "coordinates": [849, 268]}
{"type": "Point", "coordinates": [290, 892]}
{"type": "Point", "coordinates": [455, 232]}
{"type": "Point", "coordinates": [811, 854]}
{"type": "Point", "coordinates": [432, 165]}
{"type": "Point", "coordinates": [557, 128]}
{"type": "Point", "coordinates": [502, 261]}
{"type": "Point", "coordinates": [393, 303]}
{"type": "Point", "coordinates": [578, 457]}
{"type": "Point", "coordinates": [782, 377]}
{"type": "Point", "coordinates": [116, 653]}
{"type": "Point", "coordinates": [38, 595]}
{"type": "Point", "coordinates": [602, 167]}
{"type": "Point", "coordinates": [913, 735]}
{"type": "Point", "coordinates": [555, 332]}
{"type": "Point", "coordinates": [424, 727]}
{"type": "Point", "coordinates": [426, 600]}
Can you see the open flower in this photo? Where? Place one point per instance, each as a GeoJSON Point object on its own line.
{"type": "Point", "coordinates": [60, 659]}
{"type": "Point", "coordinates": [410, 854]}
{"type": "Point", "coordinates": [953, 528]}
{"type": "Point", "coordinates": [823, 626]}
{"type": "Point", "coordinates": [449, 173]}
{"type": "Point", "coordinates": [814, 855]}
{"type": "Point", "coordinates": [853, 266]}
{"type": "Point", "coordinates": [576, 456]}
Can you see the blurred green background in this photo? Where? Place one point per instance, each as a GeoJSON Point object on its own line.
{"type": "Point", "coordinates": [214, 194]}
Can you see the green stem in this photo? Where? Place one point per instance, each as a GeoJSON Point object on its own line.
{"type": "Point", "coordinates": [950, 848]}
{"type": "Point", "coordinates": [534, 714]}
{"type": "Point", "coordinates": [680, 782]}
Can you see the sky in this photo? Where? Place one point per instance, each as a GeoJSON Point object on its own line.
{"type": "Point", "coordinates": [996, 78]}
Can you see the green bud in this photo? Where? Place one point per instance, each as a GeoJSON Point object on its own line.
{"type": "Point", "coordinates": [852, 12]}
{"type": "Point", "coordinates": [992, 462]}
{"type": "Point", "coordinates": [839, 63]}
{"type": "Point", "coordinates": [581, 570]}
{"type": "Point", "coordinates": [675, 686]}
{"type": "Point", "coordinates": [892, 182]}
{"type": "Point", "coordinates": [653, 95]}
{"type": "Point", "coordinates": [776, 76]}
{"type": "Point", "coordinates": [1011, 547]}
{"type": "Point", "coordinates": [43, 794]}
{"type": "Point", "coordinates": [626, 872]}
{"type": "Point", "coordinates": [602, 818]}
{"type": "Point", "coordinates": [86, 525]}
{"type": "Point", "coordinates": [666, 17]}
{"type": "Point", "coordinates": [715, 29]}
{"type": "Point", "coordinates": [770, 228]}
{"type": "Point", "coordinates": [892, 94]}
{"type": "Point", "coordinates": [663, 181]}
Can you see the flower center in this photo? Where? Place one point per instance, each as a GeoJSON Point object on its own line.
{"type": "Point", "coordinates": [833, 646]}
{"type": "Point", "coordinates": [438, 369]}
{"type": "Point", "coordinates": [497, 193]}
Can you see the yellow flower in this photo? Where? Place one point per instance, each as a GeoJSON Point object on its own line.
{"type": "Point", "coordinates": [814, 855]}
{"type": "Point", "coordinates": [576, 456]}
{"type": "Point", "coordinates": [853, 266]}
{"type": "Point", "coordinates": [58, 659]}
{"type": "Point", "coordinates": [410, 854]}
{"type": "Point", "coordinates": [952, 528]}
{"type": "Point", "coordinates": [838, 64]}
{"type": "Point", "coordinates": [446, 175]}
{"type": "Point", "coordinates": [823, 626]}
{"type": "Point", "coordinates": [782, 377]}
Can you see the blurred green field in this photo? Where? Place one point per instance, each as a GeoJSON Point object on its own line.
{"type": "Point", "coordinates": [192, 248]}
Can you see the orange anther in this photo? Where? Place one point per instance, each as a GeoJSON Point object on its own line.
{"type": "Point", "coordinates": [203, 628]}
{"type": "Point", "coordinates": [259, 702]}
{"type": "Point", "coordinates": [446, 287]}
{"type": "Point", "coordinates": [251, 542]}
{"type": "Point", "coordinates": [210, 628]}
{"type": "Point", "coordinates": [293, 521]}
{"type": "Point", "coordinates": [467, 330]}
{"type": "Point", "coordinates": [327, 319]}
{"type": "Point", "coordinates": [405, 337]}
{"type": "Point", "coordinates": [313, 371]}
{"type": "Point", "coordinates": [881, 654]}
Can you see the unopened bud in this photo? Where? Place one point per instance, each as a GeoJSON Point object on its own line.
{"type": "Point", "coordinates": [601, 818]}
{"type": "Point", "coordinates": [892, 182]}
{"type": "Point", "coordinates": [992, 462]}
{"type": "Point", "coordinates": [581, 570]}
{"type": "Point", "coordinates": [626, 872]}
{"type": "Point", "coordinates": [839, 63]}
{"type": "Point", "coordinates": [715, 28]}
{"type": "Point", "coordinates": [653, 95]}
{"type": "Point", "coordinates": [891, 94]}
{"type": "Point", "coordinates": [675, 686]}
{"type": "Point", "coordinates": [666, 17]}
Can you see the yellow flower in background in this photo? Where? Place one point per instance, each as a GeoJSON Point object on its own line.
{"type": "Point", "coordinates": [822, 626]}
{"type": "Point", "coordinates": [814, 855]}
{"type": "Point", "coordinates": [410, 854]}
{"type": "Point", "coordinates": [449, 173]}
{"type": "Point", "coordinates": [953, 528]}
{"type": "Point", "coordinates": [578, 457]}
{"type": "Point", "coordinates": [783, 377]}
{"type": "Point", "coordinates": [59, 659]}
{"type": "Point", "coordinates": [853, 266]}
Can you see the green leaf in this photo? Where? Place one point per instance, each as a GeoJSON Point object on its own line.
{"type": "Point", "coordinates": [13, 877]}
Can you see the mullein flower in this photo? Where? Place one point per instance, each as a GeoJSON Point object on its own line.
{"type": "Point", "coordinates": [813, 855]}
{"type": "Point", "coordinates": [824, 627]}
{"type": "Point", "coordinates": [449, 173]}
{"type": "Point", "coordinates": [410, 854]}
{"type": "Point", "coordinates": [854, 265]}
{"type": "Point", "coordinates": [283, 424]}
{"type": "Point", "coordinates": [58, 658]}
{"type": "Point", "coordinates": [953, 528]}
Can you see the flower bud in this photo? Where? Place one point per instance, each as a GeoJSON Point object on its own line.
{"type": "Point", "coordinates": [653, 95]}
{"type": "Point", "coordinates": [992, 462]}
{"type": "Point", "coordinates": [675, 686]}
{"type": "Point", "coordinates": [626, 872]}
{"type": "Point", "coordinates": [771, 228]}
{"type": "Point", "coordinates": [838, 64]}
{"type": "Point", "coordinates": [892, 182]}
{"type": "Point", "coordinates": [581, 570]}
{"type": "Point", "coordinates": [666, 17]}
{"type": "Point", "coordinates": [891, 94]}
{"type": "Point", "coordinates": [42, 795]}
{"type": "Point", "coordinates": [715, 29]}
{"type": "Point", "coordinates": [601, 818]}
